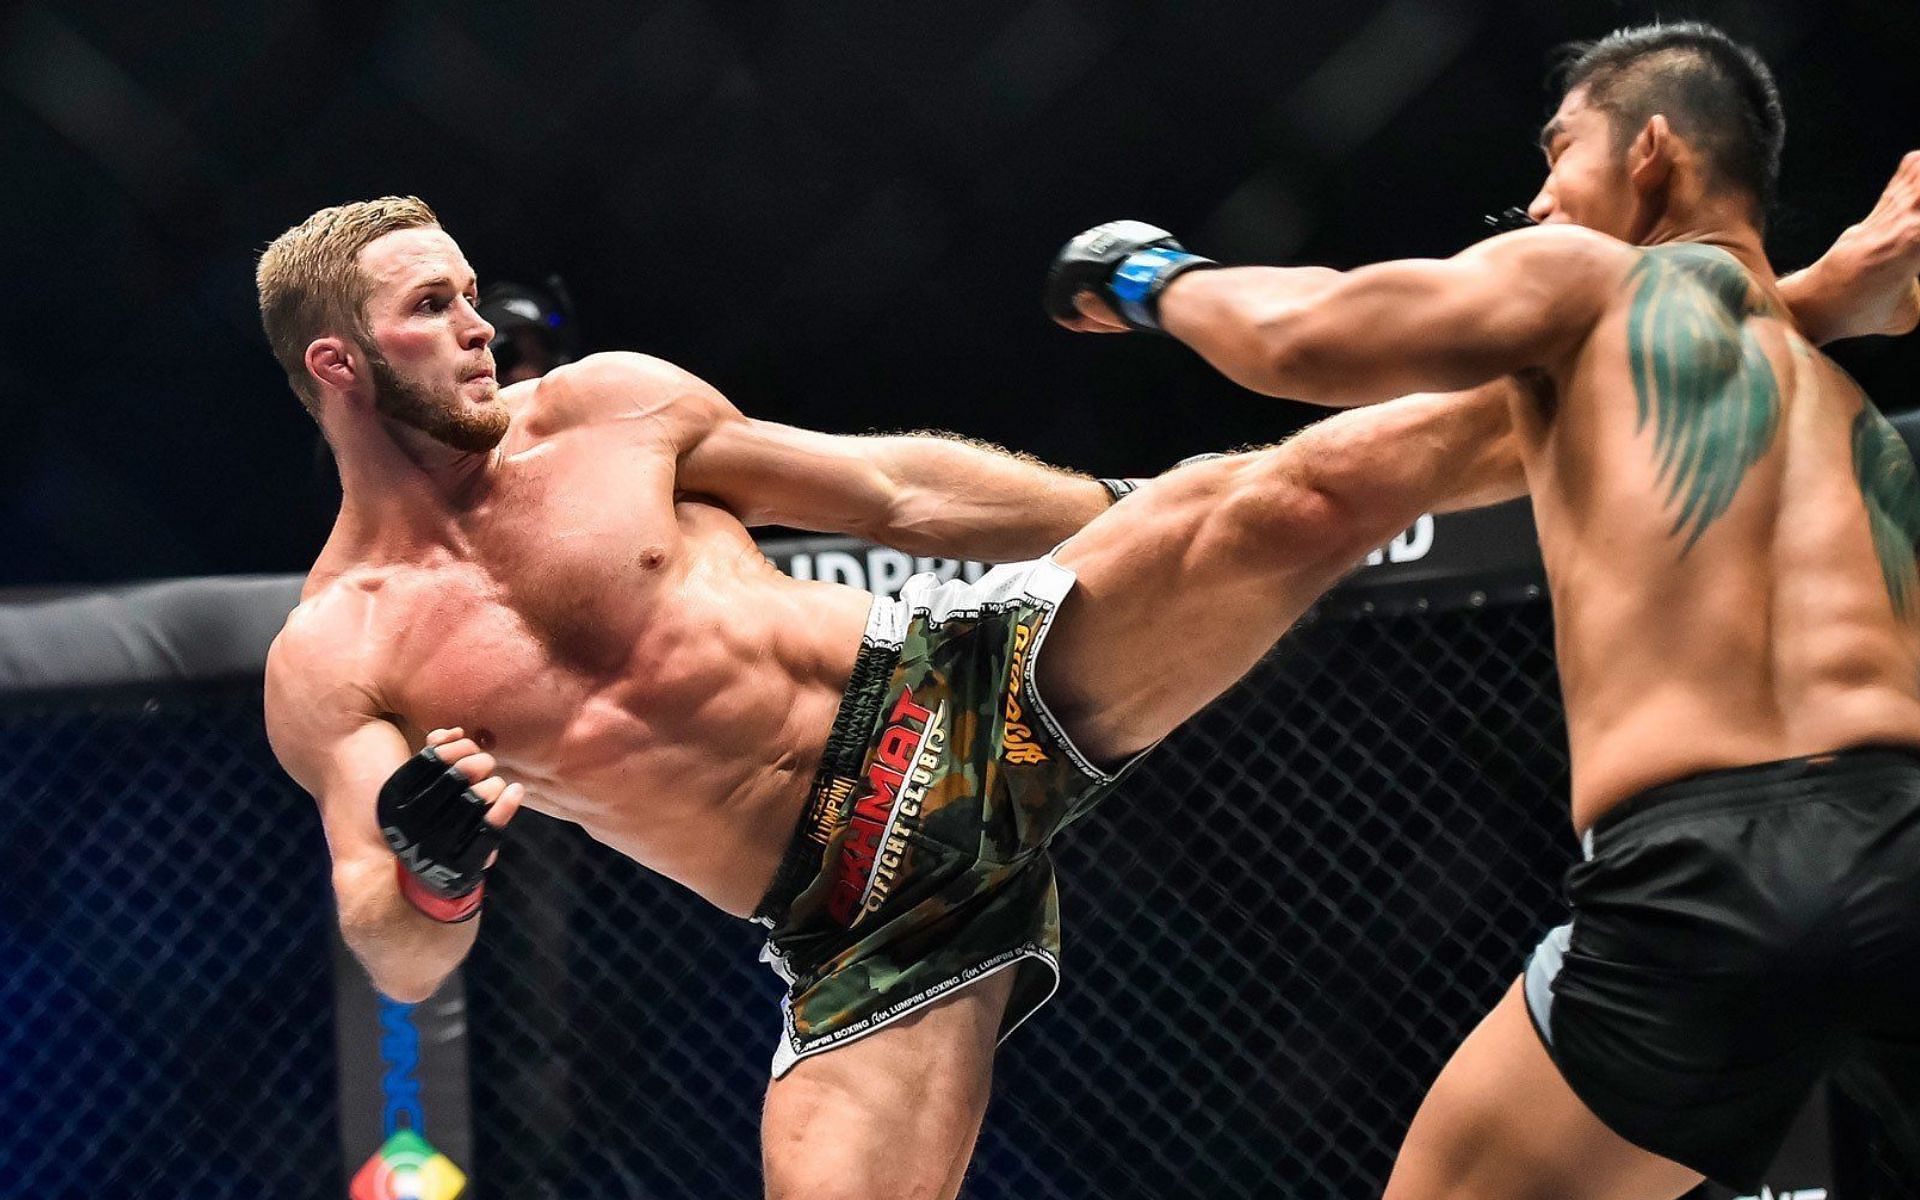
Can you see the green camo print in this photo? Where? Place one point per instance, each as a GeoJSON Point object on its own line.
{"type": "Point", "coordinates": [973, 887]}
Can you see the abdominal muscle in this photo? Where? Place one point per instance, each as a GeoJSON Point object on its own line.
{"type": "Point", "coordinates": [693, 753]}
{"type": "Point", "coordinates": [715, 818]}
{"type": "Point", "coordinates": [710, 797]}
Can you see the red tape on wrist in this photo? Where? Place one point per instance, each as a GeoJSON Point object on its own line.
{"type": "Point", "coordinates": [440, 908]}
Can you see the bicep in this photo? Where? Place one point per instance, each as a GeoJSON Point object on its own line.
{"type": "Point", "coordinates": [340, 756]}
{"type": "Point", "coordinates": [763, 472]}
{"type": "Point", "coordinates": [1506, 305]}
{"type": "Point", "coordinates": [772, 474]}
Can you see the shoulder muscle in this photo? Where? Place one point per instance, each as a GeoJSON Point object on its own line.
{"type": "Point", "coordinates": [624, 386]}
{"type": "Point", "coordinates": [1567, 272]}
{"type": "Point", "coordinates": [1703, 381]}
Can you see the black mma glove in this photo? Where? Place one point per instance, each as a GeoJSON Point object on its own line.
{"type": "Point", "coordinates": [436, 824]}
{"type": "Point", "coordinates": [1127, 264]}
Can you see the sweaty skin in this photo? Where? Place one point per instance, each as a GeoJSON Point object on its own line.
{"type": "Point", "coordinates": [577, 590]}
{"type": "Point", "coordinates": [636, 661]}
{"type": "Point", "coordinates": [583, 599]}
{"type": "Point", "coordinates": [1719, 598]}
{"type": "Point", "coordinates": [1727, 522]}
{"type": "Point", "coordinates": [620, 645]}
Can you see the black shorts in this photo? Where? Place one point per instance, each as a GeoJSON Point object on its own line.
{"type": "Point", "coordinates": [1736, 936]}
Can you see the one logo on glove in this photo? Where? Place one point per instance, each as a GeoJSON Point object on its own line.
{"type": "Point", "coordinates": [436, 824]}
{"type": "Point", "coordinates": [442, 879]}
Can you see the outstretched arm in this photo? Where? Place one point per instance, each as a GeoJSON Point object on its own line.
{"type": "Point", "coordinates": [1356, 337]}
{"type": "Point", "coordinates": [928, 494]}
{"type": "Point", "coordinates": [925, 493]}
{"type": "Point", "coordinates": [1519, 301]}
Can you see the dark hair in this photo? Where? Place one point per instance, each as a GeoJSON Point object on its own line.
{"type": "Point", "coordinates": [1715, 92]}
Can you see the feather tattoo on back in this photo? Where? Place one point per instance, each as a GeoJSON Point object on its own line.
{"type": "Point", "coordinates": [1702, 378]}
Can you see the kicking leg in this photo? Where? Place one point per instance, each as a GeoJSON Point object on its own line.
{"type": "Point", "coordinates": [894, 1114]}
{"type": "Point", "coordinates": [1184, 585]}
{"type": "Point", "coordinates": [1501, 1124]}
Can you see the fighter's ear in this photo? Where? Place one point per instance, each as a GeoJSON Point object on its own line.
{"type": "Point", "coordinates": [332, 363]}
{"type": "Point", "coordinates": [1650, 157]}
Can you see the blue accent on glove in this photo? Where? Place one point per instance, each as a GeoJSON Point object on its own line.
{"type": "Point", "coordinates": [1137, 278]}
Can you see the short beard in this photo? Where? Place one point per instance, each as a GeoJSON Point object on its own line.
{"type": "Point", "coordinates": [471, 429]}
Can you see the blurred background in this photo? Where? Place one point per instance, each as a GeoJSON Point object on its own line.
{"type": "Point", "coordinates": [838, 212]}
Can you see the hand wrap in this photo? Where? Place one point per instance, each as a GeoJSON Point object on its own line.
{"type": "Point", "coordinates": [1127, 264]}
{"type": "Point", "coordinates": [436, 825]}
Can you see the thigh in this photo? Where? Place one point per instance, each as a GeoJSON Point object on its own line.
{"type": "Point", "coordinates": [1180, 589]}
{"type": "Point", "coordinates": [1501, 1124]}
{"type": "Point", "coordinates": [1185, 584]}
{"type": "Point", "coordinates": [893, 1114]}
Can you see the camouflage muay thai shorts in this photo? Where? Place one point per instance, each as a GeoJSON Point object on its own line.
{"type": "Point", "coordinates": [920, 865]}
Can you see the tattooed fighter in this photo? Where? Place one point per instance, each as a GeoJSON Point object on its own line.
{"type": "Point", "coordinates": [1729, 530]}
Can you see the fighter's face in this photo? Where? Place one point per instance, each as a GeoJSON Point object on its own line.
{"type": "Point", "coordinates": [429, 360]}
{"type": "Point", "coordinates": [1588, 181]}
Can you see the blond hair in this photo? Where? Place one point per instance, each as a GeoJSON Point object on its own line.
{"type": "Point", "coordinates": [311, 284]}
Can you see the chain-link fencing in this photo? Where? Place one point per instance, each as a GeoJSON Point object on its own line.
{"type": "Point", "coordinates": [166, 991]}
{"type": "Point", "coordinates": [1276, 933]}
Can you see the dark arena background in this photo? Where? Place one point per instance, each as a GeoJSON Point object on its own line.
{"type": "Point", "coordinates": [839, 213]}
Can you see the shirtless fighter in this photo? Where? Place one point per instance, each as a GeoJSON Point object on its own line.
{"type": "Point", "coordinates": [1729, 530]}
{"type": "Point", "coordinates": [552, 587]}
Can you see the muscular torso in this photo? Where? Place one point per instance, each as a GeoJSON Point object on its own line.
{"type": "Point", "coordinates": [624, 651]}
{"type": "Point", "coordinates": [1719, 593]}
